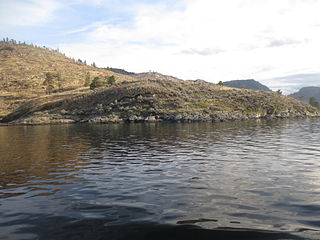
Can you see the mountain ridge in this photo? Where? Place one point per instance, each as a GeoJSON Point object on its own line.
{"type": "Point", "coordinates": [247, 84]}
{"type": "Point", "coordinates": [306, 93]}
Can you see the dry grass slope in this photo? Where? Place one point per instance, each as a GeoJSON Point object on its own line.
{"type": "Point", "coordinates": [23, 68]}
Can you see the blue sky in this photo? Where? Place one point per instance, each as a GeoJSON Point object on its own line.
{"type": "Point", "coordinates": [274, 42]}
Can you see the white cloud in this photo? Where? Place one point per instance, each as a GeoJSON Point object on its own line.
{"type": "Point", "coordinates": [212, 39]}
{"type": "Point", "coordinates": [26, 12]}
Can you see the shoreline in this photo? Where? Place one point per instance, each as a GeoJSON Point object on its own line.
{"type": "Point", "coordinates": [34, 121]}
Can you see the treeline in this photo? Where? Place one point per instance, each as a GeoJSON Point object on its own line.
{"type": "Point", "coordinates": [15, 42]}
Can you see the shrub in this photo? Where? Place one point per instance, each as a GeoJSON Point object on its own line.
{"type": "Point", "coordinates": [111, 80]}
{"type": "Point", "coordinates": [98, 82]}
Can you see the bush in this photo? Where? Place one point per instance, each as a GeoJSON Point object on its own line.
{"type": "Point", "coordinates": [98, 82]}
{"type": "Point", "coordinates": [111, 80]}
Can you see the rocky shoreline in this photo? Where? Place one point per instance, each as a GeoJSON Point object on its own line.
{"type": "Point", "coordinates": [160, 100]}
{"type": "Point", "coordinates": [179, 118]}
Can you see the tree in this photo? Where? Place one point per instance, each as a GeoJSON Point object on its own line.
{"type": "Point", "coordinates": [87, 80]}
{"type": "Point", "coordinates": [98, 82]}
{"type": "Point", "coordinates": [220, 83]}
{"type": "Point", "coordinates": [93, 64]}
{"type": "Point", "coordinates": [59, 80]}
{"type": "Point", "coordinates": [314, 102]}
{"type": "Point", "coordinates": [111, 80]}
{"type": "Point", "coordinates": [49, 82]}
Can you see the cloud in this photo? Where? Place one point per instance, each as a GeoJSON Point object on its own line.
{"type": "Point", "coordinates": [203, 52]}
{"type": "Point", "coordinates": [27, 12]}
{"type": "Point", "coordinates": [283, 42]}
{"type": "Point", "coordinates": [208, 39]}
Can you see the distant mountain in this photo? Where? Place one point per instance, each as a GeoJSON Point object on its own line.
{"type": "Point", "coordinates": [247, 84]}
{"type": "Point", "coordinates": [119, 70]}
{"type": "Point", "coordinates": [306, 93]}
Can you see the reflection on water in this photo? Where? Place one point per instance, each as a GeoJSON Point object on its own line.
{"type": "Point", "coordinates": [98, 179]}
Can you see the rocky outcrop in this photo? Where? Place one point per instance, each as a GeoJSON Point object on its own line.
{"type": "Point", "coordinates": [161, 100]}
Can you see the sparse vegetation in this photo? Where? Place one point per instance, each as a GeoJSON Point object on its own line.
{"type": "Point", "coordinates": [23, 68]}
{"type": "Point", "coordinates": [162, 99]}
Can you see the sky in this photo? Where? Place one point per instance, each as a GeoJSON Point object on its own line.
{"type": "Point", "coordinates": [276, 42]}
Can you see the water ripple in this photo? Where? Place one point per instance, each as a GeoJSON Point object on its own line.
{"type": "Point", "coordinates": [255, 174]}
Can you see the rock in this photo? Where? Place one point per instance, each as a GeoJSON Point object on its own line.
{"type": "Point", "coordinates": [151, 119]}
{"type": "Point", "coordinates": [64, 112]}
{"type": "Point", "coordinates": [105, 119]}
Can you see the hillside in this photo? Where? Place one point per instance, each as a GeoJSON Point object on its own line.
{"type": "Point", "coordinates": [246, 84]}
{"type": "Point", "coordinates": [23, 68]}
{"type": "Point", "coordinates": [306, 93]}
{"type": "Point", "coordinates": [158, 100]}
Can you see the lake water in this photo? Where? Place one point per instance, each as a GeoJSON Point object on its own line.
{"type": "Point", "coordinates": [161, 181]}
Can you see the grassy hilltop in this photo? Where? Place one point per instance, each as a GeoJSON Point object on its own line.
{"type": "Point", "coordinates": [150, 96]}
{"type": "Point", "coordinates": [23, 68]}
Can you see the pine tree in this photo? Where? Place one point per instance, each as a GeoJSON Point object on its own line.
{"type": "Point", "coordinates": [49, 82]}
{"type": "Point", "coordinates": [87, 80]}
{"type": "Point", "coordinates": [59, 80]}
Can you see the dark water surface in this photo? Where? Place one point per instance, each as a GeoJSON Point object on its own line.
{"type": "Point", "coordinates": [161, 181]}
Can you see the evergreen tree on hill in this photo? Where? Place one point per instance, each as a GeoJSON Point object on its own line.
{"type": "Point", "coordinates": [49, 82]}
